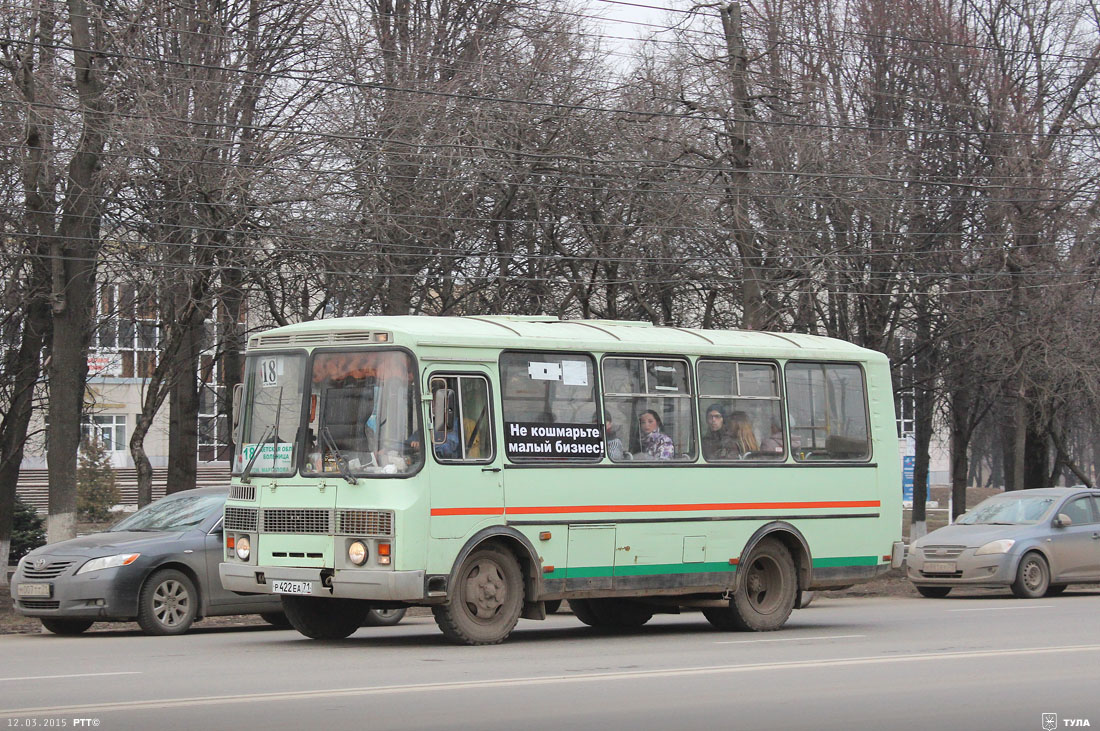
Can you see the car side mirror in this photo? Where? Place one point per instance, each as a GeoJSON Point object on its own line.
{"type": "Point", "coordinates": [1063, 521]}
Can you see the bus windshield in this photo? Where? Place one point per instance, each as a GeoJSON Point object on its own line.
{"type": "Point", "coordinates": [270, 411]}
{"type": "Point", "coordinates": [363, 417]}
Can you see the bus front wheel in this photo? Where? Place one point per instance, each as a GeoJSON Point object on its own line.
{"type": "Point", "coordinates": [324, 619]}
{"type": "Point", "coordinates": [486, 601]}
{"type": "Point", "coordinates": [765, 594]}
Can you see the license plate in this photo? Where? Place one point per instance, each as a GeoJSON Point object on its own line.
{"type": "Point", "coordinates": [291, 587]}
{"type": "Point", "coordinates": [938, 567]}
{"type": "Point", "coordinates": [34, 590]}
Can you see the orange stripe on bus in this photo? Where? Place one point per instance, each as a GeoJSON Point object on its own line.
{"type": "Point", "coordinates": [550, 509]}
{"type": "Point", "coordinates": [467, 511]}
{"type": "Point", "coordinates": [687, 508]}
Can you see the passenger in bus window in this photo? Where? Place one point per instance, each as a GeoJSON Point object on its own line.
{"type": "Point", "coordinates": [615, 449]}
{"type": "Point", "coordinates": [654, 443]}
{"type": "Point", "coordinates": [773, 443]}
{"type": "Point", "coordinates": [717, 444]}
{"type": "Point", "coordinates": [742, 434]}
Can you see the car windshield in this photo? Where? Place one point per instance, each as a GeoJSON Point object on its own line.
{"type": "Point", "coordinates": [1008, 510]}
{"type": "Point", "coordinates": [173, 513]}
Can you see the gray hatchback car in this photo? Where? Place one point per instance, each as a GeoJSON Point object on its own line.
{"type": "Point", "coordinates": [1034, 541]}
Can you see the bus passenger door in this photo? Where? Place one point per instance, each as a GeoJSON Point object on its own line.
{"type": "Point", "coordinates": [467, 491]}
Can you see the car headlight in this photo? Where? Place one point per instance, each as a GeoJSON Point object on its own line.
{"type": "Point", "coordinates": [1000, 546]}
{"type": "Point", "coordinates": [357, 553]}
{"type": "Point", "coordinates": [243, 548]}
{"type": "Point", "coordinates": [109, 562]}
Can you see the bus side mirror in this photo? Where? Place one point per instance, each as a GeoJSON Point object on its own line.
{"type": "Point", "coordinates": [238, 392]}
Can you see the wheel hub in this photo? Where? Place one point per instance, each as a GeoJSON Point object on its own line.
{"type": "Point", "coordinates": [486, 590]}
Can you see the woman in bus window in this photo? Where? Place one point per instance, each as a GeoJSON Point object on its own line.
{"type": "Point", "coordinates": [654, 443]}
{"type": "Point", "coordinates": [740, 431]}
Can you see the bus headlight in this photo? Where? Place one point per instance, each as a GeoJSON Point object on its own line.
{"type": "Point", "coordinates": [357, 553]}
{"type": "Point", "coordinates": [243, 548]}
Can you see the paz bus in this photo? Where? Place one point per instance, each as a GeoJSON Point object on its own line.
{"type": "Point", "coordinates": [486, 466]}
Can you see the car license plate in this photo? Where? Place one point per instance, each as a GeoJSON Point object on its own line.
{"type": "Point", "coordinates": [938, 567]}
{"type": "Point", "coordinates": [34, 590]}
{"type": "Point", "coordinates": [291, 587]}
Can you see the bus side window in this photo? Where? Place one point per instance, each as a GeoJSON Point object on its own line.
{"type": "Point", "coordinates": [827, 412]}
{"type": "Point", "coordinates": [461, 420]}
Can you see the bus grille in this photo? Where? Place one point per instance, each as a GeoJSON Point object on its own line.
{"type": "Point", "coordinates": [364, 522]}
{"type": "Point", "coordinates": [242, 519]}
{"type": "Point", "coordinates": [243, 492]}
{"type": "Point", "coordinates": [294, 520]}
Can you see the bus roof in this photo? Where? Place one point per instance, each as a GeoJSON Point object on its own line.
{"type": "Point", "coordinates": [525, 332]}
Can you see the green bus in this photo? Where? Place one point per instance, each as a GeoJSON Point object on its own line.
{"type": "Point", "coordinates": [488, 466]}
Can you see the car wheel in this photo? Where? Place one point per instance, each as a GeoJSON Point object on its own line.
{"type": "Point", "coordinates": [934, 592]}
{"type": "Point", "coordinates": [1032, 577]}
{"type": "Point", "coordinates": [168, 603]}
{"type": "Point", "coordinates": [1056, 589]}
{"type": "Point", "coordinates": [384, 617]}
{"type": "Point", "coordinates": [487, 599]}
{"type": "Point", "coordinates": [67, 626]}
{"type": "Point", "coordinates": [552, 606]}
{"type": "Point", "coordinates": [765, 595]}
{"type": "Point", "coordinates": [276, 619]}
{"type": "Point", "coordinates": [325, 619]}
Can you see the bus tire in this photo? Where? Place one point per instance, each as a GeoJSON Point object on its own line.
{"type": "Point", "coordinates": [487, 599]}
{"type": "Point", "coordinates": [583, 610]}
{"type": "Point", "coordinates": [765, 595]}
{"type": "Point", "coordinates": [621, 613]}
{"type": "Point", "coordinates": [384, 617]}
{"type": "Point", "coordinates": [325, 619]}
{"type": "Point", "coordinates": [66, 626]}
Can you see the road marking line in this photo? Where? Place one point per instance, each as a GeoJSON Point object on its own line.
{"type": "Point", "coordinates": [787, 639]}
{"type": "Point", "coordinates": [163, 703]}
{"type": "Point", "coordinates": [74, 675]}
{"type": "Point", "coordinates": [995, 609]}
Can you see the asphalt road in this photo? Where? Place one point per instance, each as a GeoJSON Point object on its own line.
{"type": "Point", "coordinates": [973, 662]}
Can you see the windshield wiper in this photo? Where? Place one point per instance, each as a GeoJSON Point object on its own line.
{"type": "Point", "coordinates": [268, 433]}
{"type": "Point", "coordinates": [341, 463]}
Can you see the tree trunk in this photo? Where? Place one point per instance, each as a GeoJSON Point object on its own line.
{"type": "Point", "coordinates": [923, 373]}
{"type": "Point", "coordinates": [13, 430]}
{"type": "Point", "coordinates": [76, 253]}
{"type": "Point", "coordinates": [960, 440]}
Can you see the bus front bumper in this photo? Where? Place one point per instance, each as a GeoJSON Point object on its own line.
{"type": "Point", "coordinates": [346, 584]}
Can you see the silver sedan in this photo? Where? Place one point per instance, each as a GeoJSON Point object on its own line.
{"type": "Point", "coordinates": [1034, 541]}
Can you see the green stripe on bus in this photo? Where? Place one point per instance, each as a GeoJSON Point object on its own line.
{"type": "Point", "coordinates": [823, 563]}
{"type": "Point", "coordinates": [591, 572]}
{"type": "Point", "coordinates": [596, 572]}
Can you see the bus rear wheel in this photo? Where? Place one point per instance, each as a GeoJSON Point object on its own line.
{"type": "Point", "coordinates": [325, 619]}
{"type": "Point", "coordinates": [765, 594]}
{"type": "Point", "coordinates": [487, 599]}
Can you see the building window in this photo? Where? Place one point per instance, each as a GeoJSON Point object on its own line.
{"type": "Point", "coordinates": [110, 429]}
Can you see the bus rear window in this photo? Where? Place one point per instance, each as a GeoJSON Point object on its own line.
{"type": "Point", "coordinates": [549, 404]}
